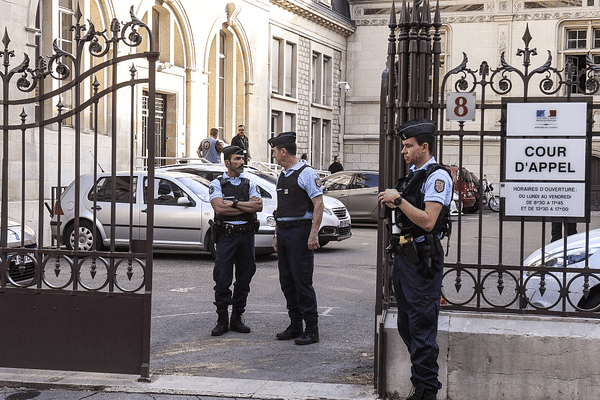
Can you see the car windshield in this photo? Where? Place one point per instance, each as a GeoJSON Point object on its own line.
{"type": "Point", "coordinates": [339, 182]}
{"type": "Point", "coordinates": [196, 184]}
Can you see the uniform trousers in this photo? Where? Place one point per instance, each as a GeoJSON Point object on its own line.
{"type": "Point", "coordinates": [296, 266]}
{"type": "Point", "coordinates": [418, 299]}
{"type": "Point", "coordinates": [238, 249]}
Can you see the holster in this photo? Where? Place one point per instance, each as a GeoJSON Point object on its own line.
{"type": "Point", "coordinates": [426, 250]}
{"type": "Point", "coordinates": [406, 246]}
{"type": "Point", "coordinates": [216, 229]}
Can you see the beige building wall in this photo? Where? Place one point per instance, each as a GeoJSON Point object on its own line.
{"type": "Point", "coordinates": [482, 30]}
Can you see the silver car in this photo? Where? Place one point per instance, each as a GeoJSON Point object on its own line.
{"type": "Point", "coordinates": [182, 213]}
{"type": "Point", "coordinates": [545, 294]}
{"type": "Point", "coordinates": [357, 190]}
{"type": "Point", "coordinates": [21, 268]}
{"type": "Point", "coordinates": [336, 222]}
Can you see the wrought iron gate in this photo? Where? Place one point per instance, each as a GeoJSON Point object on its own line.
{"type": "Point", "coordinates": [486, 281]}
{"type": "Point", "coordinates": [64, 308]}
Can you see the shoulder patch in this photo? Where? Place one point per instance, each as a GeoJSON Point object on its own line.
{"type": "Point", "coordinates": [318, 182]}
{"type": "Point", "coordinates": [440, 185]}
{"type": "Point", "coordinates": [206, 145]}
{"type": "Point", "coordinates": [211, 189]}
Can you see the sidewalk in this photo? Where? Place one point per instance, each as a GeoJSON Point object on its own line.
{"type": "Point", "coordinates": [182, 385]}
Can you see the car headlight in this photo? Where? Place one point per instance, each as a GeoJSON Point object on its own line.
{"type": "Point", "coordinates": [327, 211]}
{"type": "Point", "coordinates": [271, 221]}
{"type": "Point", "coordinates": [558, 260]}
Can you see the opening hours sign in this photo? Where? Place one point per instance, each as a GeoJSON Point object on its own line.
{"type": "Point", "coordinates": [546, 158]}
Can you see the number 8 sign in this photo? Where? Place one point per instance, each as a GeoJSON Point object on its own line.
{"type": "Point", "coordinates": [460, 106]}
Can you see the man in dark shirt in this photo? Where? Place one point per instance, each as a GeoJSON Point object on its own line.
{"type": "Point", "coordinates": [335, 166]}
{"type": "Point", "coordinates": [241, 140]}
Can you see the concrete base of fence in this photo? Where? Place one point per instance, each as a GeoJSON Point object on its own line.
{"type": "Point", "coordinates": [500, 356]}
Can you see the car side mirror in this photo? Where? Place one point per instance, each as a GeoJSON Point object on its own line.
{"type": "Point", "coordinates": [183, 201]}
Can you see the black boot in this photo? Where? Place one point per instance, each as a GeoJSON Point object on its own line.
{"type": "Point", "coordinates": [309, 336]}
{"type": "Point", "coordinates": [236, 324]}
{"type": "Point", "coordinates": [292, 331]}
{"type": "Point", "coordinates": [222, 324]}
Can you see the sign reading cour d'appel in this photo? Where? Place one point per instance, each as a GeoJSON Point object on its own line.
{"type": "Point", "coordinates": [545, 160]}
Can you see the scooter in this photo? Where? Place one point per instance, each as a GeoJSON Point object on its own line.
{"type": "Point", "coordinates": [489, 197]}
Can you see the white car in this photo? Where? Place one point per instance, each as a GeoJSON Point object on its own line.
{"type": "Point", "coordinates": [543, 290]}
{"type": "Point", "coordinates": [182, 215]}
{"type": "Point", "coordinates": [336, 223]}
{"type": "Point", "coordinates": [21, 268]}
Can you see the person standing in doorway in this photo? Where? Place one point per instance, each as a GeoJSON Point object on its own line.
{"type": "Point", "coordinates": [236, 201]}
{"type": "Point", "coordinates": [336, 165]}
{"type": "Point", "coordinates": [241, 140]}
{"type": "Point", "coordinates": [420, 204]}
{"type": "Point", "coordinates": [211, 148]}
{"type": "Point", "coordinates": [298, 217]}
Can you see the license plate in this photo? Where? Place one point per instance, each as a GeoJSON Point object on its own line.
{"type": "Point", "coordinates": [344, 224]}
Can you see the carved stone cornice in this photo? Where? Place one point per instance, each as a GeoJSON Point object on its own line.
{"type": "Point", "coordinates": [583, 14]}
{"type": "Point", "coordinates": [322, 18]}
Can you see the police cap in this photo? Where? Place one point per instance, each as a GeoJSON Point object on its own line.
{"type": "Point", "coordinates": [282, 138]}
{"type": "Point", "coordinates": [230, 150]}
{"type": "Point", "coordinates": [416, 127]}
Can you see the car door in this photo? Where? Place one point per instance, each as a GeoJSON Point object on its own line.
{"type": "Point", "coordinates": [125, 194]}
{"type": "Point", "coordinates": [338, 186]}
{"type": "Point", "coordinates": [362, 196]}
{"type": "Point", "coordinates": [177, 215]}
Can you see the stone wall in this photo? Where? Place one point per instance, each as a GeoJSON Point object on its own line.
{"type": "Point", "coordinates": [499, 356]}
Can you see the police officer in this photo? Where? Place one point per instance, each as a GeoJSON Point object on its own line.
{"type": "Point", "coordinates": [420, 204]}
{"type": "Point", "coordinates": [298, 215]}
{"type": "Point", "coordinates": [236, 201]}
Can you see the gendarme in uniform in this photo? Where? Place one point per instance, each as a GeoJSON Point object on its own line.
{"type": "Point", "coordinates": [298, 215]}
{"type": "Point", "coordinates": [421, 206]}
{"type": "Point", "coordinates": [235, 200]}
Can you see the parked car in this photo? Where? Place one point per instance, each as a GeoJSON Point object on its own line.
{"type": "Point", "coordinates": [470, 191]}
{"type": "Point", "coordinates": [546, 294]}
{"type": "Point", "coordinates": [357, 190]}
{"type": "Point", "coordinates": [182, 214]}
{"type": "Point", "coordinates": [336, 222]}
{"type": "Point", "coordinates": [21, 268]}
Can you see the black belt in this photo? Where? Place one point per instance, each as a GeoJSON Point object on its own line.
{"type": "Point", "coordinates": [294, 223]}
{"type": "Point", "coordinates": [238, 228]}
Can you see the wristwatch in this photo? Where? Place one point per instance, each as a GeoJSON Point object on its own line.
{"type": "Point", "coordinates": [235, 203]}
{"type": "Point", "coordinates": [398, 201]}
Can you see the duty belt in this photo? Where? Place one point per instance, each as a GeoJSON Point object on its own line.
{"type": "Point", "coordinates": [294, 223]}
{"type": "Point", "coordinates": [230, 228]}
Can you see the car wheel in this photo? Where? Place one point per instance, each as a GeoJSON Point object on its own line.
{"type": "Point", "coordinates": [211, 246]}
{"type": "Point", "coordinates": [494, 203]}
{"type": "Point", "coordinates": [86, 238]}
{"type": "Point", "coordinates": [591, 302]}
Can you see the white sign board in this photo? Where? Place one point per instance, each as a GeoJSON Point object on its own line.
{"type": "Point", "coordinates": [545, 159]}
{"type": "Point", "coordinates": [546, 119]}
{"type": "Point", "coordinates": [460, 106]}
{"type": "Point", "coordinates": [533, 199]}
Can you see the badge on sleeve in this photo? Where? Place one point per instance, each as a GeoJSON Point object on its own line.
{"type": "Point", "coordinates": [211, 189]}
{"type": "Point", "coordinates": [440, 185]}
{"type": "Point", "coordinates": [318, 182]}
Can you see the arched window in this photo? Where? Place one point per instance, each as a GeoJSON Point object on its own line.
{"type": "Point", "coordinates": [226, 84]}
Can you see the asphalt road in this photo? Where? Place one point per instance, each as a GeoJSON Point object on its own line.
{"type": "Point", "coordinates": [344, 279]}
{"type": "Point", "coordinates": [184, 315]}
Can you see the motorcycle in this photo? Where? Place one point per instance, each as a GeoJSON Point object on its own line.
{"type": "Point", "coordinates": [489, 197]}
